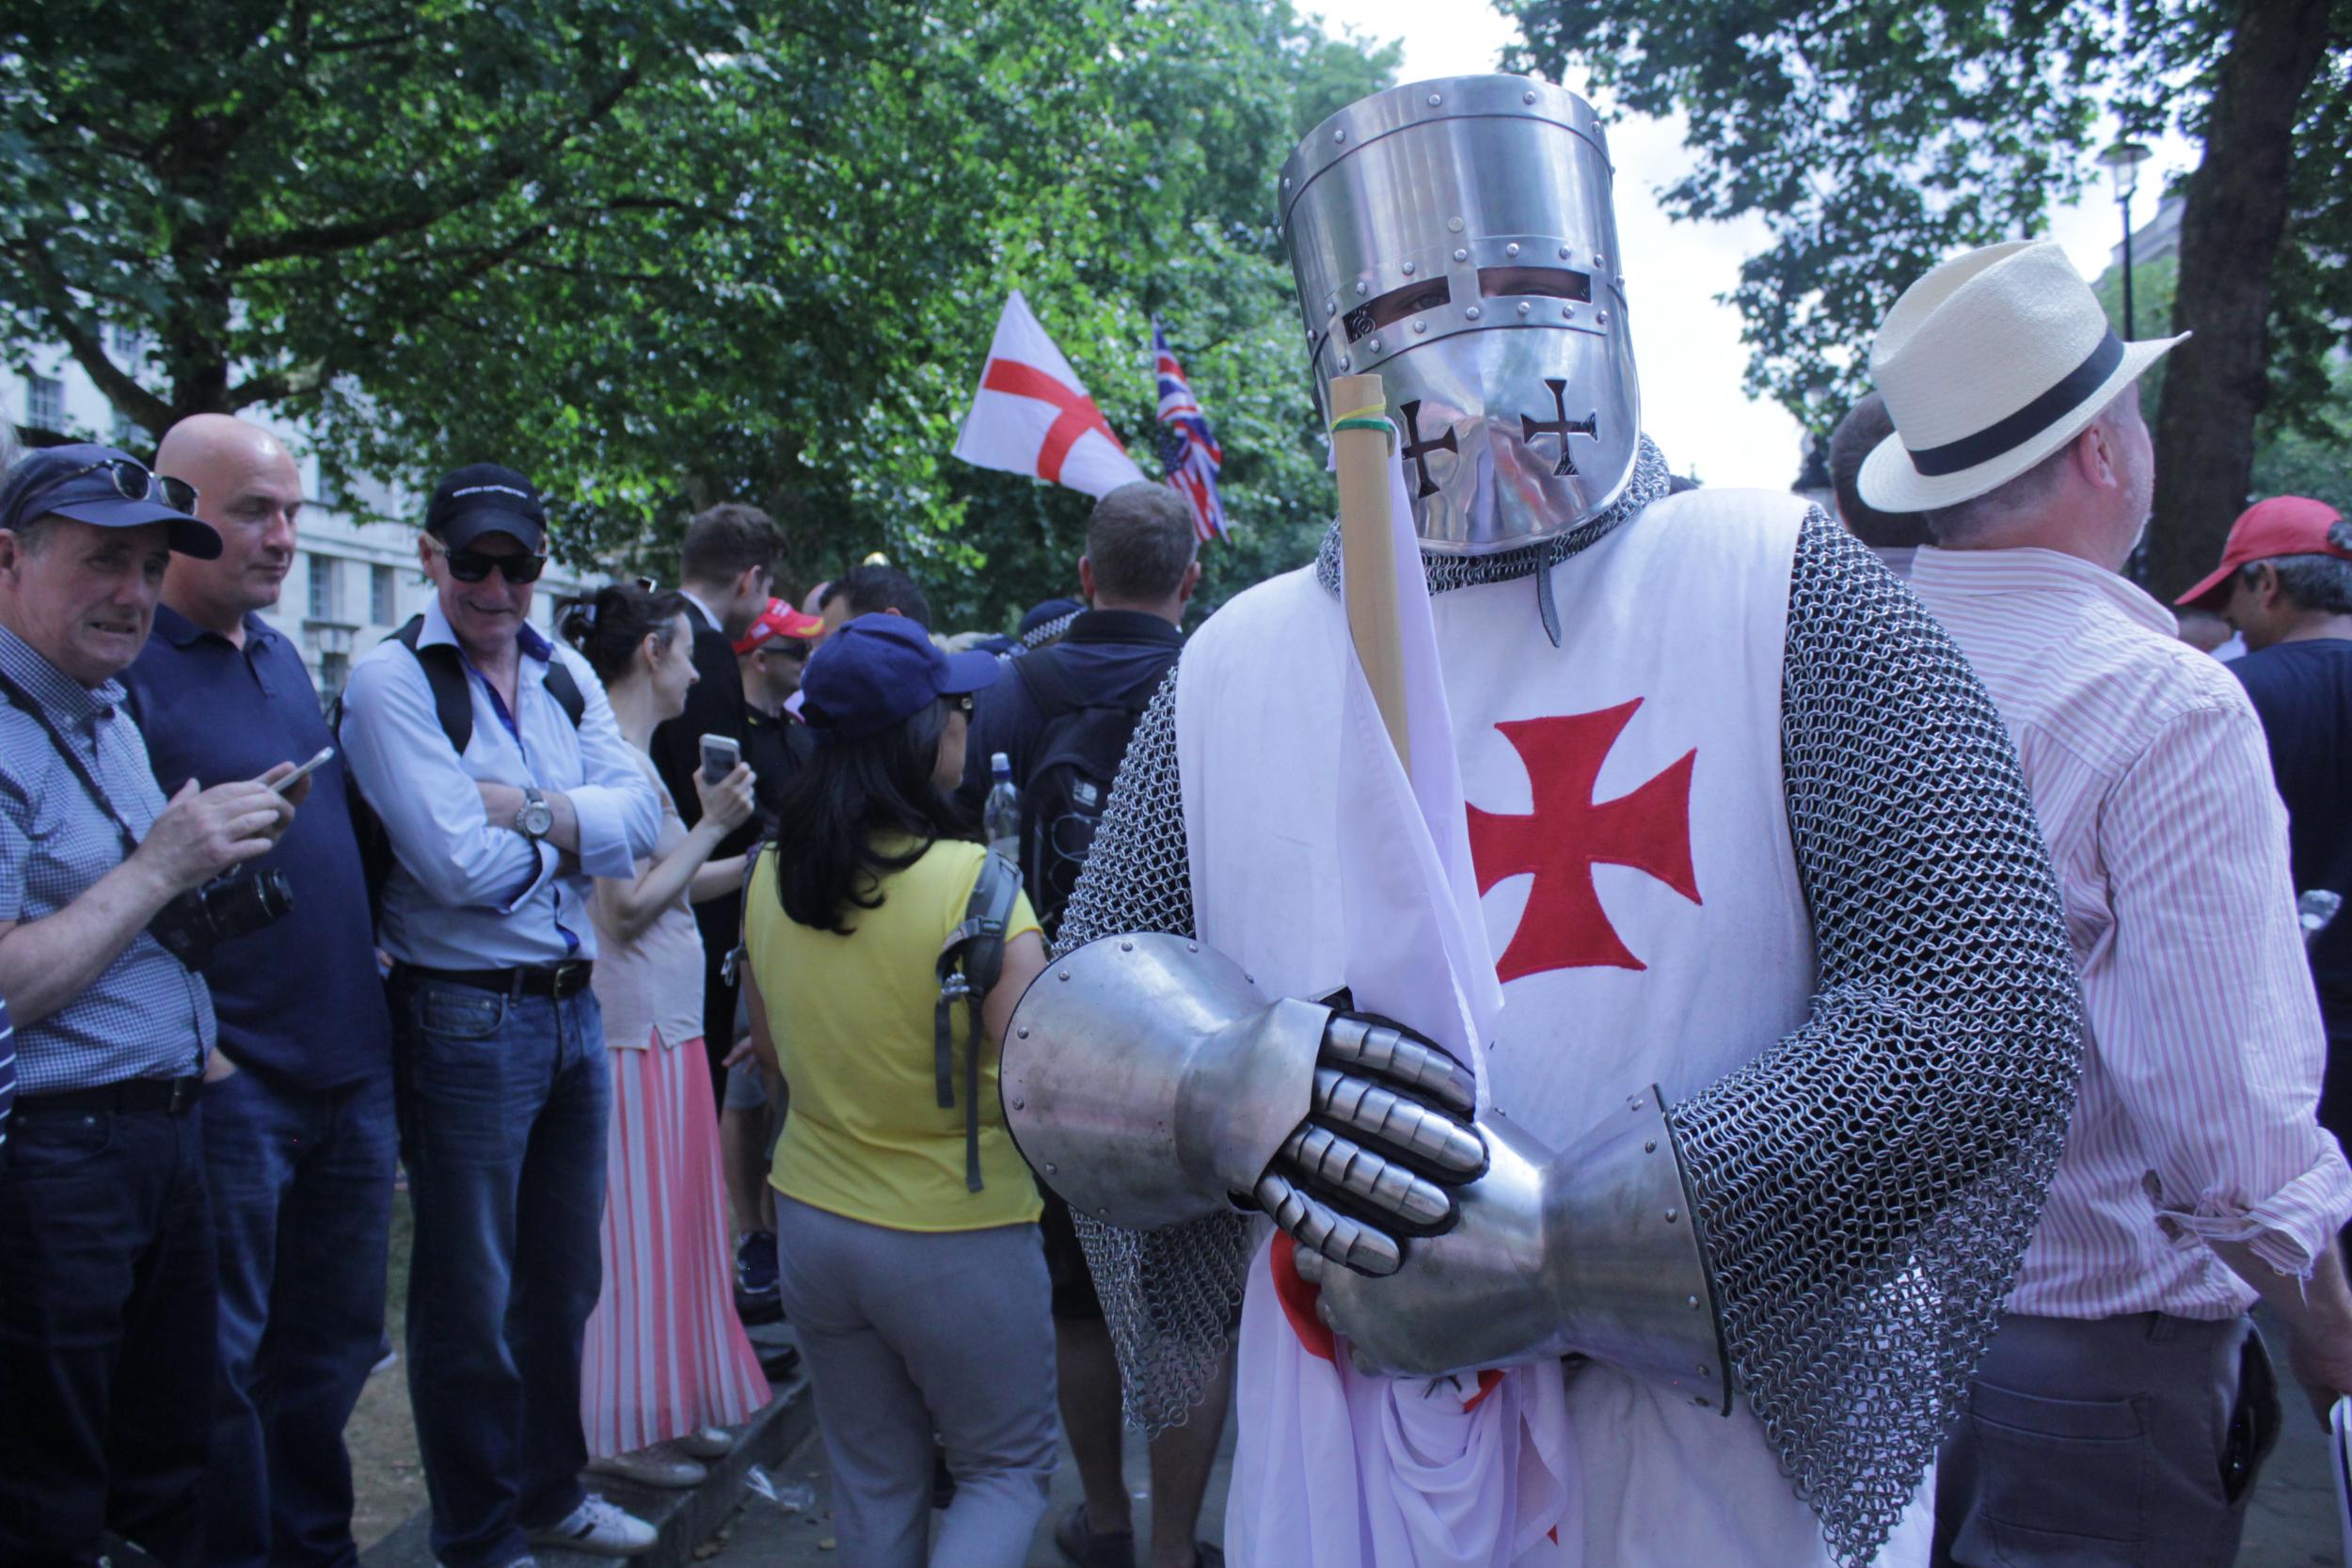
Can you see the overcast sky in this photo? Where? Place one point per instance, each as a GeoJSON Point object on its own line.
{"type": "Point", "coordinates": [1687, 344]}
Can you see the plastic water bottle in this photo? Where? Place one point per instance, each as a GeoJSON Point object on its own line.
{"type": "Point", "coordinates": [1000, 818]}
{"type": "Point", "coordinates": [2316, 910]}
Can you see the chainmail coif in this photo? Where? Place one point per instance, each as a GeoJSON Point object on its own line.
{"type": "Point", "coordinates": [1867, 1184]}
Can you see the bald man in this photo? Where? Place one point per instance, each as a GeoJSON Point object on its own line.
{"type": "Point", "coordinates": [298, 1126]}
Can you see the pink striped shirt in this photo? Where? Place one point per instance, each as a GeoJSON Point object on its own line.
{"type": "Point", "coordinates": [2201, 1076]}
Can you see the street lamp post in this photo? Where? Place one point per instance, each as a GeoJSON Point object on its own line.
{"type": "Point", "coordinates": [2122, 163]}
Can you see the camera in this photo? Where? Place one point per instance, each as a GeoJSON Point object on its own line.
{"type": "Point", "coordinates": [198, 921]}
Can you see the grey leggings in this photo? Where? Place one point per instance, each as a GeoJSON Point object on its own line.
{"type": "Point", "coordinates": [908, 1333]}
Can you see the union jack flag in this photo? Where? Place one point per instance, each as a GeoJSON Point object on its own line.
{"type": "Point", "coordinates": [1188, 448]}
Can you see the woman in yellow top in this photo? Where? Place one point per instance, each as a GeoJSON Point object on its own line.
{"type": "Point", "coordinates": [921, 1301]}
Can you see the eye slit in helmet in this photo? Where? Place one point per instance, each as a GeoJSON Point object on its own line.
{"type": "Point", "coordinates": [1550, 282]}
{"type": "Point", "coordinates": [1397, 304]}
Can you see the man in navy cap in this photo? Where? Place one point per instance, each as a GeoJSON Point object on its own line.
{"type": "Point", "coordinates": [492, 756]}
{"type": "Point", "coordinates": [106, 1316]}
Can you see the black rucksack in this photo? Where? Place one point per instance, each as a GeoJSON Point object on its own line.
{"type": "Point", "coordinates": [1071, 770]}
{"type": "Point", "coordinates": [452, 705]}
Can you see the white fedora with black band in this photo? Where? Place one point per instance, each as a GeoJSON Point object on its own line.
{"type": "Point", "coordinates": [1989, 364]}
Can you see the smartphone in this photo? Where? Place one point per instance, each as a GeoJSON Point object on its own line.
{"type": "Point", "coordinates": [720, 753]}
{"type": "Point", "coordinates": [325, 755]}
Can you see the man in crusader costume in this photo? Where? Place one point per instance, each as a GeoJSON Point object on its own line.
{"type": "Point", "coordinates": [1777, 1090]}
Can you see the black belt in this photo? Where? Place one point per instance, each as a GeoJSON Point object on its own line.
{"type": "Point", "coordinates": [568, 978]}
{"type": "Point", "coordinates": [170, 1095]}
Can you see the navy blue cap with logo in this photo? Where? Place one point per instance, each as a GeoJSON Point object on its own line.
{"type": "Point", "coordinates": [104, 487]}
{"type": "Point", "coordinates": [880, 670]}
{"type": "Point", "coordinates": [486, 498]}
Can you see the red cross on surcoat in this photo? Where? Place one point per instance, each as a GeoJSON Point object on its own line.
{"type": "Point", "coordinates": [1569, 833]}
{"type": "Point", "coordinates": [1078, 414]}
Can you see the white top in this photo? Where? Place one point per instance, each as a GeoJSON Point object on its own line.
{"type": "Point", "coordinates": [2202, 1070]}
{"type": "Point", "coordinates": [654, 984]}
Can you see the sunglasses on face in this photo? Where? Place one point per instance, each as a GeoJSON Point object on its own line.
{"type": "Point", "coordinates": [473, 565]}
{"type": "Point", "coordinates": [136, 482]}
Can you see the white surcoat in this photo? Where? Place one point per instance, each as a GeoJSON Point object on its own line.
{"type": "Point", "coordinates": [1639, 892]}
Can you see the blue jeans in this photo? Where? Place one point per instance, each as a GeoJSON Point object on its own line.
{"type": "Point", "coordinates": [504, 1104]}
{"type": "Point", "coordinates": [106, 1336]}
{"type": "Point", "coordinates": [302, 1203]}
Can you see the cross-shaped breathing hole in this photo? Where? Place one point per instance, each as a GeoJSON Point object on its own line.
{"type": "Point", "coordinates": [1418, 450]}
{"type": "Point", "coordinates": [1563, 427]}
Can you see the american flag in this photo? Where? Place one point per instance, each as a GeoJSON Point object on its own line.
{"type": "Point", "coordinates": [1188, 448]}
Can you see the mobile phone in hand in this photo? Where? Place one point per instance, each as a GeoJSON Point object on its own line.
{"type": "Point", "coordinates": [327, 755]}
{"type": "Point", "coordinates": [720, 753]}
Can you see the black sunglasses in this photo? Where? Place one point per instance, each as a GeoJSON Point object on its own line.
{"type": "Point", "coordinates": [134, 481]}
{"type": "Point", "coordinates": [473, 565]}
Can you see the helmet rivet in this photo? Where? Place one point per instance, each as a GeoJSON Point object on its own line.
{"type": "Point", "coordinates": [1362, 287]}
{"type": "Point", "coordinates": [1620, 281]}
{"type": "Point", "coordinates": [1286, 182]}
{"type": "Point", "coordinates": [1020, 1104]}
{"type": "Point", "coordinates": [1511, 249]}
{"type": "Point", "coordinates": [1471, 313]}
{"type": "Point", "coordinates": [1373, 346]}
{"type": "Point", "coordinates": [1693, 1303]}
{"type": "Point", "coordinates": [1525, 307]}
{"type": "Point", "coordinates": [1454, 225]}
{"type": "Point", "coordinates": [1649, 1146]}
{"type": "Point", "coordinates": [1126, 947]}
{"type": "Point", "coordinates": [1338, 136]}
{"type": "Point", "coordinates": [1670, 1216]}
{"type": "Point", "coordinates": [1331, 305]}
{"type": "Point", "coordinates": [1567, 312]}
{"type": "Point", "coordinates": [1564, 253]}
{"type": "Point", "coordinates": [1421, 326]}
{"type": "Point", "coordinates": [1435, 100]}
{"type": "Point", "coordinates": [1599, 261]}
{"type": "Point", "coordinates": [1460, 255]}
{"type": "Point", "coordinates": [1346, 364]}
{"type": "Point", "coordinates": [1409, 269]}
{"type": "Point", "coordinates": [1527, 97]}
{"type": "Point", "coordinates": [1051, 1168]}
{"type": "Point", "coordinates": [1022, 1032]}
{"type": "Point", "coordinates": [1601, 316]}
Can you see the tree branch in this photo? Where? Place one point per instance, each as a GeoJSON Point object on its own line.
{"type": "Point", "coordinates": [58, 308]}
{"type": "Point", "coordinates": [327, 239]}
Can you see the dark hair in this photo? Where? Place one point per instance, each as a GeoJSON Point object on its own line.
{"type": "Point", "coordinates": [853, 790]}
{"type": "Point", "coordinates": [2316, 584]}
{"type": "Point", "coordinates": [608, 625]}
{"type": "Point", "coordinates": [725, 542]}
{"type": "Point", "coordinates": [872, 590]}
{"type": "Point", "coordinates": [1866, 425]}
{"type": "Point", "coordinates": [1139, 540]}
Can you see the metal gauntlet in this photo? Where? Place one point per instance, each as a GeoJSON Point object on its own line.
{"type": "Point", "coordinates": [1148, 1081]}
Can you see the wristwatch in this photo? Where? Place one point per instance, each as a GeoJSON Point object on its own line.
{"type": "Point", "coordinates": [536, 816]}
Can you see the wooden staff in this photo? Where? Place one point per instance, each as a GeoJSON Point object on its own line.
{"type": "Point", "coordinates": [1368, 563]}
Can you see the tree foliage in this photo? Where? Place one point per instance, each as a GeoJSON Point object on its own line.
{"type": "Point", "coordinates": [1876, 137]}
{"type": "Point", "coordinates": [662, 255]}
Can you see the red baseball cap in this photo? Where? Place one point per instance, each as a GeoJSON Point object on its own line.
{"type": "Point", "coordinates": [2283, 525]}
{"type": "Point", "coordinates": [779, 619]}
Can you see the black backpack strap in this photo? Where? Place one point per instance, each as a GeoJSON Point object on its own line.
{"type": "Point", "coordinates": [445, 672]}
{"type": "Point", "coordinates": [970, 961]}
{"type": "Point", "coordinates": [566, 690]}
{"type": "Point", "coordinates": [1049, 683]}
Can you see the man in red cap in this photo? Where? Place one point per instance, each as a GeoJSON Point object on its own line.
{"type": "Point", "coordinates": [2286, 582]}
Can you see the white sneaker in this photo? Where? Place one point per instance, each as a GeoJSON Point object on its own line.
{"type": "Point", "coordinates": [596, 1526]}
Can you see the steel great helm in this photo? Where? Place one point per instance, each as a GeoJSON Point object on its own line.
{"type": "Point", "coordinates": [1456, 238]}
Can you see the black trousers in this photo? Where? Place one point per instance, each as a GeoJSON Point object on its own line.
{"type": "Point", "coordinates": [107, 1336]}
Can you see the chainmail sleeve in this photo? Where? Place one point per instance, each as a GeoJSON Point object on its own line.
{"type": "Point", "coordinates": [1170, 1296]}
{"type": "Point", "coordinates": [1867, 1185]}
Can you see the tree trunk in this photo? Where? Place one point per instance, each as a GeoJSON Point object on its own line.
{"type": "Point", "coordinates": [2234, 221]}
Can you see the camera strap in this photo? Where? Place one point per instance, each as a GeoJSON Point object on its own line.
{"type": "Point", "coordinates": [24, 699]}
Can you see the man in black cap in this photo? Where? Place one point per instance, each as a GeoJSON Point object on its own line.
{"type": "Point", "coordinates": [107, 1290]}
{"type": "Point", "coordinates": [505, 788]}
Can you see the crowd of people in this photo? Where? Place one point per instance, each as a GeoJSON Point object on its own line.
{"type": "Point", "coordinates": [663, 958]}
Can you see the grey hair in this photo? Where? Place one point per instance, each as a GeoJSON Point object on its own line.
{"type": "Point", "coordinates": [1955, 524]}
{"type": "Point", "coordinates": [2317, 584]}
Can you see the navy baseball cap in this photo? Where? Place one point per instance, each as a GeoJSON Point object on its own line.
{"type": "Point", "coordinates": [879, 670]}
{"type": "Point", "coordinates": [486, 498]}
{"type": "Point", "coordinates": [104, 487]}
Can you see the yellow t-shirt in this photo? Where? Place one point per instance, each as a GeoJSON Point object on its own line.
{"type": "Point", "coordinates": [851, 1019]}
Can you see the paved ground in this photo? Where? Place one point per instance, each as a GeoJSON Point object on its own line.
{"type": "Point", "coordinates": [2291, 1524]}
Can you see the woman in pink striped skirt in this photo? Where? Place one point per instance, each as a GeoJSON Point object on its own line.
{"type": "Point", "coordinates": [666, 1364]}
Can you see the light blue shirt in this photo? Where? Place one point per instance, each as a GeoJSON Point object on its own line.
{"type": "Point", "coordinates": [465, 891]}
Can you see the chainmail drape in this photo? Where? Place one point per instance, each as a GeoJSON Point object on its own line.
{"type": "Point", "coordinates": [1867, 1184]}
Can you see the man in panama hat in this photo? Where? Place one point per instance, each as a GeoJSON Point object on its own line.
{"type": "Point", "coordinates": [2126, 1401]}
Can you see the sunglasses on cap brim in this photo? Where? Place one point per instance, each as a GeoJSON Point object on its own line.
{"type": "Point", "coordinates": [134, 481]}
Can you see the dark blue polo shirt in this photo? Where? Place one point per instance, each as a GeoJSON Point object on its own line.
{"type": "Point", "coordinates": [300, 1001]}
